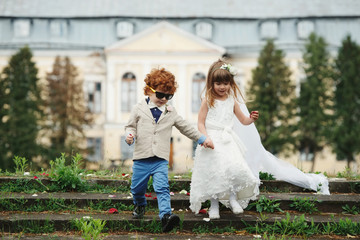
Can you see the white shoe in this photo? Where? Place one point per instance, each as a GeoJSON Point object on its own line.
{"type": "Point", "coordinates": [235, 207]}
{"type": "Point", "coordinates": [214, 213]}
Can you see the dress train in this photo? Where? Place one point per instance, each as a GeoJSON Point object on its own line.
{"type": "Point", "coordinates": [259, 159]}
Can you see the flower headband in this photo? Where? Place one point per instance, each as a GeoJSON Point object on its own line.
{"type": "Point", "coordinates": [232, 70]}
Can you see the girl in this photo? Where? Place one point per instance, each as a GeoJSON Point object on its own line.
{"type": "Point", "coordinates": [222, 174]}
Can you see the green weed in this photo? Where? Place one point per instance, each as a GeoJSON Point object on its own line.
{"type": "Point", "coordinates": [39, 205]}
{"type": "Point", "coordinates": [142, 226]}
{"type": "Point", "coordinates": [107, 204]}
{"type": "Point", "coordinates": [34, 227]}
{"type": "Point", "coordinates": [351, 210]}
{"type": "Point", "coordinates": [90, 228]}
{"type": "Point", "coordinates": [265, 205]}
{"type": "Point", "coordinates": [348, 174]}
{"type": "Point", "coordinates": [344, 227]}
{"type": "Point", "coordinates": [20, 165]}
{"type": "Point", "coordinates": [200, 229]}
{"type": "Point", "coordinates": [266, 176]}
{"type": "Point", "coordinates": [304, 205]}
{"type": "Point", "coordinates": [286, 226]}
{"type": "Point", "coordinates": [12, 204]}
{"type": "Point", "coordinates": [150, 187]}
{"type": "Point", "coordinates": [68, 177]}
{"type": "Point", "coordinates": [209, 228]}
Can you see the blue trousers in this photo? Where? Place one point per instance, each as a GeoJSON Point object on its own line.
{"type": "Point", "coordinates": [158, 169]}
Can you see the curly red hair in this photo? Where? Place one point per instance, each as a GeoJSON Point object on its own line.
{"type": "Point", "coordinates": [161, 80]}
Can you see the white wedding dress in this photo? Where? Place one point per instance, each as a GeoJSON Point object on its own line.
{"type": "Point", "coordinates": [259, 159]}
{"type": "Point", "coordinates": [221, 171]}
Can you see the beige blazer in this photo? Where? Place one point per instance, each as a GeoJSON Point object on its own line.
{"type": "Point", "coordinates": [151, 138]}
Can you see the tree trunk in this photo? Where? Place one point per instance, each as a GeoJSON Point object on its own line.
{"type": "Point", "coordinates": [313, 162]}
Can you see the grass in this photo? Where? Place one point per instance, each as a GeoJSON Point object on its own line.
{"type": "Point", "coordinates": [61, 205]}
{"type": "Point", "coordinates": [348, 174]}
{"type": "Point", "coordinates": [305, 205]}
{"type": "Point", "coordinates": [27, 185]}
{"type": "Point", "coordinates": [65, 178]}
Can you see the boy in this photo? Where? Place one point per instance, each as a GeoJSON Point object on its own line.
{"type": "Point", "coordinates": [150, 126]}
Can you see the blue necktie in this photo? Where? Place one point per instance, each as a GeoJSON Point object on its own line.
{"type": "Point", "coordinates": [156, 113]}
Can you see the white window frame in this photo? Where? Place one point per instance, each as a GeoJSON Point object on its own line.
{"type": "Point", "coordinates": [94, 96]}
{"type": "Point", "coordinates": [22, 28]}
{"type": "Point", "coordinates": [128, 92]}
{"type": "Point", "coordinates": [96, 144]}
{"type": "Point", "coordinates": [305, 28]}
{"type": "Point", "coordinates": [204, 30]}
{"type": "Point", "coordinates": [124, 29]}
{"type": "Point", "coordinates": [269, 30]}
{"type": "Point", "coordinates": [58, 28]}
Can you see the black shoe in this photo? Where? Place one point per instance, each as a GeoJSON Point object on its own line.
{"type": "Point", "coordinates": [139, 212]}
{"type": "Point", "coordinates": [168, 222]}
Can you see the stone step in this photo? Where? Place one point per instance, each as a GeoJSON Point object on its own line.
{"type": "Point", "coordinates": [336, 185]}
{"type": "Point", "coordinates": [325, 203]}
{"type": "Point", "coordinates": [12, 222]}
{"type": "Point", "coordinates": [144, 236]}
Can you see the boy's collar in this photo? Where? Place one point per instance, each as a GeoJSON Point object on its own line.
{"type": "Point", "coordinates": [153, 105]}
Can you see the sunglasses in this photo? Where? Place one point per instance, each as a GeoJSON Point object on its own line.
{"type": "Point", "coordinates": [161, 95]}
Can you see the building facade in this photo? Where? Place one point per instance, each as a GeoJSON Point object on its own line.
{"type": "Point", "coordinates": [115, 43]}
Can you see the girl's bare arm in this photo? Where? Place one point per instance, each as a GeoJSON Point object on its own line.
{"type": "Point", "coordinates": [202, 117]}
{"type": "Point", "coordinates": [241, 116]}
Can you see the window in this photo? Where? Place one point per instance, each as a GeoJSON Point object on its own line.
{"type": "Point", "coordinates": [306, 151]}
{"type": "Point", "coordinates": [128, 92]}
{"type": "Point", "coordinates": [94, 96]}
{"type": "Point", "coordinates": [203, 30]}
{"type": "Point", "coordinates": [126, 150]}
{"type": "Point", "coordinates": [306, 156]}
{"type": "Point", "coordinates": [198, 84]}
{"type": "Point", "coordinates": [22, 28]}
{"type": "Point", "coordinates": [58, 28]}
{"type": "Point", "coordinates": [124, 29]}
{"type": "Point", "coordinates": [304, 28]}
{"type": "Point", "coordinates": [269, 30]}
{"type": "Point", "coordinates": [95, 149]}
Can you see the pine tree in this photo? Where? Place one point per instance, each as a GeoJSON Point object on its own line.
{"type": "Point", "coordinates": [315, 97]}
{"type": "Point", "coordinates": [68, 113]}
{"type": "Point", "coordinates": [272, 93]}
{"type": "Point", "coordinates": [346, 138]}
{"type": "Point", "coordinates": [20, 112]}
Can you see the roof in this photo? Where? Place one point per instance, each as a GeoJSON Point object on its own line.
{"type": "Point", "coordinates": [167, 43]}
{"type": "Point", "coordinates": [237, 9]}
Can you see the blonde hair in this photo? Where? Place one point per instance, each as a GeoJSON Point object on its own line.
{"type": "Point", "coordinates": [216, 74]}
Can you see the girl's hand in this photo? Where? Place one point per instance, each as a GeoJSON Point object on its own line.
{"type": "Point", "coordinates": [208, 143]}
{"type": "Point", "coordinates": [254, 115]}
{"type": "Point", "coordinates": [129, 139]}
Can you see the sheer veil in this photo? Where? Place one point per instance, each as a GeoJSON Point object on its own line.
{"type": "Point", "coordinates": [259, 159]}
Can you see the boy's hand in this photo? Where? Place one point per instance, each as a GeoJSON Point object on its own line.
{"type": "Point", "coordinates": [129, 139]}
{"type": "Point", "coordinates": [254, 115]}
{"type": "Point", "coordinates": [208, 143]}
